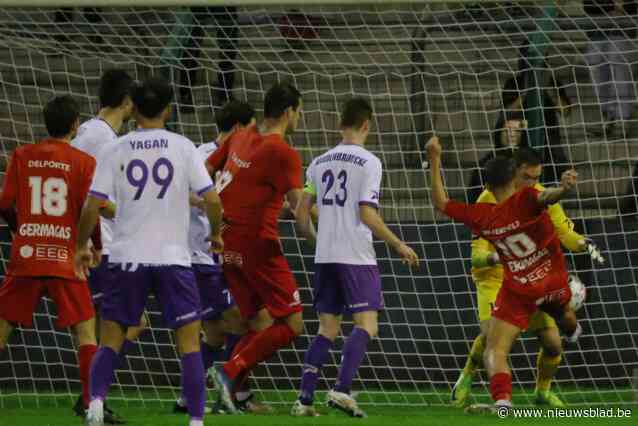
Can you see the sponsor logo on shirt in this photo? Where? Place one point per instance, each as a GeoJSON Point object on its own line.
{"type": "Point", "coordinates": [44, 164]}
{"type": "Point", "coordinates": [502, 230]}
{"type": "Point", "coordinates": [239, 162]}
{"type": "Point", "coordinates": [51, 252]}
{"type": "Point", "coordinates": [26, 251]}
{"type": "Point", "coordinates": [519, 265]}
{"type": "Point", "coordinates": [46, 230]}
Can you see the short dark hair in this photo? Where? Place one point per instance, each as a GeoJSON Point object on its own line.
{"type": "Point", "coordinates": [232, 113]}
{"type": "Point", "coordinates": [355, 112]}
{"type": "Point", "coordinates": [152, 96]}
{"type": "Point", "coordinates": [115, 86]}
{"type": "Point", "coordinates": [60, 114]}
{"type": "Point", "coordinates": [499, 171]}
{"type": "Point", "coordinates": [279, 98]}
{"type": "Point", "coordinates": [527, 156]}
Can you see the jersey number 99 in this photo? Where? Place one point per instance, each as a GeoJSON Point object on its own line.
{"type": "Point", "coordinates": [162, 173]}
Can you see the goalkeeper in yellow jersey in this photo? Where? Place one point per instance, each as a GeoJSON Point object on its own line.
{"type": "Point", "coordinates": [487, 274]}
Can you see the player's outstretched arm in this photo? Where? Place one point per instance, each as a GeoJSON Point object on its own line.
{"type": "Point", "coordinates": [214, 212]}
{"type": "Point", "coordinates": [439, 196]}
{"type": "Point", "coordinates": [303, 216]}
{"type": "Point", "coordinates": [554, 195]}
{"type": "Point", "coordinates": [371, 218]}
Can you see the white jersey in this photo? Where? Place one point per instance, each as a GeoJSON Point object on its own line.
{"type": "Point", "coordinates": [343, 179]}
{"type": "Point", "coordinates": [92, 137]}
{"type": "Point", "coordinates": [149, 174]}
{"type": "Point", "coordinates": [200, 227]}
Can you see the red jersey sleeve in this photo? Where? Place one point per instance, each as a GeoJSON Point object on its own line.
{"type": "Point", "coordinates": [468, 214]}
{"type": "Point", "coordinates": [9, 194]}
{"type": "Point", "coordinates": [218, 158]}
{"type": "Point", "coordinates": [10, 187]}
{"type": "Point", "coordinates": [287, 174]}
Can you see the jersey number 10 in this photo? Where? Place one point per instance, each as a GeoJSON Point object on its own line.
{"type": "Point", "coordinates": [517, 245]}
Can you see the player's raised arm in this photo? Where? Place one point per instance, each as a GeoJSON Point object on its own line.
{"type": "Point", "coordinates": [439, 195]}
{"type": "Point", "coordinates": [554, 195]}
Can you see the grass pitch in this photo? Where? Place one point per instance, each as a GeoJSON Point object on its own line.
{"type": "Point", "coordinates": [54, 410]}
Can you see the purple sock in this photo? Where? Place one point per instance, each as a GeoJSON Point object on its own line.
{"type": "Point", "coordinates": [102, 369]}
{"type": "Point", "coordinates": [126, 348]}
{"type": "Point", "coordinates": [210, 355]}
{"type": "Point", "coordinates": [316, 355]}
{"type": "Point", "coordinates": [231, 341]}
{"type": "Point", "coordinates": [353, 352]}
{"type": "Point", "coordinates": [194, 384]}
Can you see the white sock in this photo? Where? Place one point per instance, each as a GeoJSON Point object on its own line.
{"type": "Point", "coordinates": [196, 423]}
{"type": "Point", "coordinates": [96, 409]}
{"type": "Point", "coordinates": [503, 403]}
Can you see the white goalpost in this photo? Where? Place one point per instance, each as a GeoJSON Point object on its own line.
{"type": "Point", "coordinates": [426, 67]}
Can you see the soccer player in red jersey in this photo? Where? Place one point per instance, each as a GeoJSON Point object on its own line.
{"type": "Point", "coordinates": [44, 190]}
{"type": "Point", "coordinates": [535, 268]}
{"type": "Point", "coordinates": [255, 171]}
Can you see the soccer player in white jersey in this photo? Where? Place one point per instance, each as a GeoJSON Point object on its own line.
{"type": "Point", "coordinates": [94, 135]}
{"type": "Point", "coordinates": [345, 183]}
{"type": "Point", "coordinates": [149, 174]}
{"type": "Point", "coordinates": [221, 320]}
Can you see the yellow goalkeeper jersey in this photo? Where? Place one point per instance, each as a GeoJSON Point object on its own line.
{"type": "Point", "coordinates": [492, 276]}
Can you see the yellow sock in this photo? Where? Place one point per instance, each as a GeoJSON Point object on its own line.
{"type": "Point", "coordinates": [546, 367]}
{"type": "Point", "coordinates": [475, 358]}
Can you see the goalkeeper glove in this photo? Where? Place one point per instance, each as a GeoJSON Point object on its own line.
{"type": "Point", "coordinates": [593, 250]}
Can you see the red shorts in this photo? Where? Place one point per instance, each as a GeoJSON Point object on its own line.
{"type": "Point", "coordinates": [259, 277]}
{"type": "Point", "coordinates": [517, 309]}
{"type": "Point", "coordinates": [19, 296]}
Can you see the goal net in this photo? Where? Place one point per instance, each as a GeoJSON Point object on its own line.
{"type": "Point", "coordinates": [426, 67]}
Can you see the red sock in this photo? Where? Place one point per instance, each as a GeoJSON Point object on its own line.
{"type": "Point", "coordinates": [85, 355]}
{"type": "Point", "coordinates": [501, 386]}
{"type": "Point", "coordinates": [243, 342]}
{"type": "Point", "coordinates": [262, 346]}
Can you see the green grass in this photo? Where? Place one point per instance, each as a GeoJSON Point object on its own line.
{"type": "Point", "coordinates": [54, 410]}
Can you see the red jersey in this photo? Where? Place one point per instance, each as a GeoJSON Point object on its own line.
{"type": "Point", "coordinates": [47, 184]}
{"type": "Point", "coordinates": [524, 237]}
{"type": "Point", "coordinates": [254, 173]}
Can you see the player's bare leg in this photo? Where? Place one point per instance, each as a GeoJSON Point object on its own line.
{"type": "Point", "coordinates": [463, 387]}
{"type": "Point", "coordinates": [549, 358]}
{"type": "Point", "coordinates": [500, 338]}
{"type": "Point", "coordinates": [366, 327]}
{"type": "Point", "coordinates": [316, 355]}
